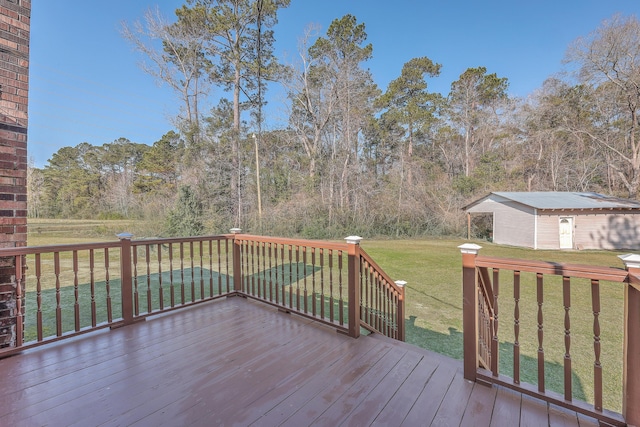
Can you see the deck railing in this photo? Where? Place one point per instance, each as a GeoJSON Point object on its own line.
{"type": "Point", "coordinates": [539, 315]}
{"type": "Point", "coordinates": [66, 290]}
{"type": "Point", "coordinates": [334, 283]}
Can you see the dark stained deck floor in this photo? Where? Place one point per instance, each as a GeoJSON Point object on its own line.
{"type": "Point", "coordinates": [238, 362]}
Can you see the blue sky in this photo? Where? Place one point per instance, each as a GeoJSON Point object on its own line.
{"type": "Point", "coordinates": [86, 85]}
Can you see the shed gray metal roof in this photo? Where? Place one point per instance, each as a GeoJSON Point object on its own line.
{"type": "Point", "coordinates": [564, 200]}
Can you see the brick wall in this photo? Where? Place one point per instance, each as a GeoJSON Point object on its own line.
{"type": "Point", "coordinates": [14, 88]}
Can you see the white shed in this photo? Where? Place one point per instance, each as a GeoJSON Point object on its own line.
{"type": "Point", "coordinates": [560, 220]}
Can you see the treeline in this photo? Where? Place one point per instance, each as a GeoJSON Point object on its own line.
{"type": "Point", "coordinates": [353, 159]}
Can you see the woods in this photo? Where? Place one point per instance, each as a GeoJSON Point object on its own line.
{"type": "Point", "coordinates": [353, 158]}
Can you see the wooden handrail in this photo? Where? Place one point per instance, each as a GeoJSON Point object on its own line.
{"type": "Point", "coordinates": [319, 244]}
{"type": "Point", "coordinates": [610, 274]}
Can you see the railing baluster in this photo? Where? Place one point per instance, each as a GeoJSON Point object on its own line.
{"type": "Point", "coordinates": [540, 298]}
{"type": "Point", "coordinates": [566, 299]}
{"type": "Point", "coordinates": [369, 297]}
{"type": "Point", "coordinates": [304, 280]}
{"type": "Point", "coordinates": [597, 366]}
{"type": "Point", "coordinates": [220, 268]}
{"type": "Point", "coordinates": [56, 266]}
{"type": "Point", "coordinates": [228, 271]}
{"type": "Point", "coordinates": [246, 261]}
{"type": "Point", "coordinates": [362, 288]}
{"type": "Point", "coordinates": [136, 296]}
{"type": "Point", "coordinates": [193, 282]}
{"type": "Point", "coordinates": [363, 283]}
{"type": "Point", "coordinates": [92, 284]}
{"type": "Point", "coordinates": [322, 296]}
{"type": "Point", "coordinates": [379, 286]}
{"type": "Point", "coordinates": [383, 291]}
{"type": "Point", "coordinates": [375, 283]}
{"type": "Point", "coordinates": [387, 317]}
{"type": "Point", "coordinates": [201, 248]}
{"type": "Point", "coordinates": [290, 276]}
{"type": "Point", "coordinates": [211, 291]}
{"type": "Point", "coordinates": [39, 297]}
{"type": "Point", "coordinates": [283, 277]}
{"type": "Point", "coordinates": [251, 267]}
{"type": "Point", "coordinates": [495, 342]}
{"type": "Point", "coordinates": [516, 327]}
{"type": "Point", "coordinates": [272, 295]}
{"type": "Point", "coordinates": [259, 271]}
{"type": "Point", "coordinates": [331, 311]}
{"type": "Point", "coordinates": [107, 286]}
{"type": "Point", "coordinates": [19, 264]}
{"type": "Point", "coordinates": [172, 289]}
{"type": "Point", "coordinates": [265, 294]}
{"type": "Point", "coordinates": [313, 281]}
{"type": "Point", "coordinates": [160, 289]}
{"type": "Point", "coordinates": [340, 295]}
{"type": "Point", "coordinates": [297, 277]}
{"type": "Point", "coordinates": [273, 271]}
{"type": "Point", "coordinates": [182, 291]}
{"type": "Point", "coordinates": [76, 293]}
{"type": "Point", "coordinates": [147, 260]}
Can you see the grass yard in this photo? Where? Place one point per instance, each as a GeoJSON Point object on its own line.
{"type": "Point", "coordinates": [63, 231]}
{"type": "Point", "coordinates": [433, 270]}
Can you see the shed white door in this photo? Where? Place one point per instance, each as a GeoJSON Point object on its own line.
{"type": "Point", "coordinates": [566, 233]}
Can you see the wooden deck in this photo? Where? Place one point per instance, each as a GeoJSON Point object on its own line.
{"type": "Point", "coordinates": [238, 362]}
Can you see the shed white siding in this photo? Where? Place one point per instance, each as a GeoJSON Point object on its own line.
{"type": "Point", "coordinates": [549, 231]}
{"type": "Point", "coordinates": [513, 223]}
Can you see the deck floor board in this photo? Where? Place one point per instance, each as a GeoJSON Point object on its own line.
{"type": "Point", "coordinates": [240, 362]}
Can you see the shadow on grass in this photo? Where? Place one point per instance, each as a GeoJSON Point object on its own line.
{"type": "Point", "coordinates": [451, 345]}
{"type": "Point", "coordinates": [188, 285]}
{"type": "Point", "coordinates": [178, 287]}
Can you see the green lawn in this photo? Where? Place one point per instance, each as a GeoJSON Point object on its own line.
{"type": "Point", "coordinates": [433, 271]}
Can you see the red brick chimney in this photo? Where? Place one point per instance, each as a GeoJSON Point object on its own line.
{"type": "Point", "coordinates": [15, 17]}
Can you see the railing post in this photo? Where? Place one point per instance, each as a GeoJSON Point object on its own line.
{"type": "Point", "coordinates": [631, 345]}
{"type": "Point", "coordinates": [400, 316]}
{"type": "Point", "coordinates": [237, 261]}
{"type": "Point", "coordinates": [470, 309]}
{"type": "Point", "coordinates": [353, 266]}
{"type": "Point", "coordinates": [126, 290]}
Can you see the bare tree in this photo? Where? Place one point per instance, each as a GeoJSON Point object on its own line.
{"type": "Point", "coordinates": [174, 53]}
{"type": "Point", "coordinates": [313, 102]}
{"type": "Point", "coordinates": [608, 61]}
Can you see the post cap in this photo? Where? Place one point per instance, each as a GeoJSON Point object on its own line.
{"type": "Point", "coordinates": [400, 283]}
{"type": "Point", "coordinates": [354, 240]}
{"type": "Point", "coordinates": [236, 230]}
{"type": "Point", "coordinates": [630, 260]}
{"type": "Point", "coordinates": [124, 236]}
{"type": "Point", "coordinates": [470, 248]}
